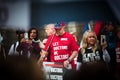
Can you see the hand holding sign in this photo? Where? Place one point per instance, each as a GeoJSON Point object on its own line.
{"type": "Point", "coordinates": [42, 57]}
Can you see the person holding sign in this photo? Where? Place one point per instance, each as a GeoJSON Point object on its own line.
{"type": "Point", "coordinates": [61, 46]}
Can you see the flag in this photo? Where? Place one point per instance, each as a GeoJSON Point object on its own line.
{"type": "Point", "coordinates": [86, 27]}
{"type": "Point", "coordinates": [97, 27]}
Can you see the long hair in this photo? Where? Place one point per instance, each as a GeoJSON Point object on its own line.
{"type": "Point", "coordinates": [85, 43]}
{"type": "Point", "coordinates": [30, 32]}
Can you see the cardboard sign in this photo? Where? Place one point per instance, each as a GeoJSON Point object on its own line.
{"type": "Point", "coordinates": [54, 71]}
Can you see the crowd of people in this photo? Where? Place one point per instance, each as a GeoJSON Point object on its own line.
{"type": "Point", "coordinates": [98, 52]}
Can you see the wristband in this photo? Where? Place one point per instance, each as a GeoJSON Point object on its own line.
{"type": "Point", "coordinates": [69, 60]}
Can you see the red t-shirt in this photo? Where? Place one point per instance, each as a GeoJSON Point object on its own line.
{"type": "Point", "coordinates": [61, 47]}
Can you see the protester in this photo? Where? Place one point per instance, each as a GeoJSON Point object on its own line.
{"type": "Point", "coordinates": [61, 46]}
{"type": "Point", "coordinates": [109, 30]}
{"type": "Point", "coordinates": [12, 50]}
{"type": "Point", "coordinates": [29, 45]}
{"type": "Point", "coordinates": [50, 30]}
{"type": "Point", "coordinates": [90, 52]}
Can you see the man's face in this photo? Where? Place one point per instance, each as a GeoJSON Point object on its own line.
{"type": "Point", "coordinates": [60, 31]}
{"type": "Point", "coordinates": [49, 31]}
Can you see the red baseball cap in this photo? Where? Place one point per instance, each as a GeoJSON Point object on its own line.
{"type": "Point", "coordinates": [58, 26]}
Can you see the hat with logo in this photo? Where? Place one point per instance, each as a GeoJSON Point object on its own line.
{"type": "Point", "coordinates": [58, 26]}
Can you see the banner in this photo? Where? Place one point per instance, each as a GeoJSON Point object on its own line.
{"type": "Point", "coordinates": [54, 71]}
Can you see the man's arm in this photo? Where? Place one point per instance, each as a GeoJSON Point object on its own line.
{"type": "Point", "coordinates": [73, 55]}
{"type": "Point", "coordinates": [42, 57]}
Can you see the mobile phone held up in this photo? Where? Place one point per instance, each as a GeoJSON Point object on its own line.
{"type": "Point", "coordinates": [25, 35]}
{"type": "Point", "coordinates": [103, 38]}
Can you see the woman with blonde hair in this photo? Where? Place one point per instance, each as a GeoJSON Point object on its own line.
{"type": "Point", "coordinates": [91, 51]}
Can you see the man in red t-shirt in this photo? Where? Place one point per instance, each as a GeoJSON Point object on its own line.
{"type": "Point", "coordinates": [61, 46]}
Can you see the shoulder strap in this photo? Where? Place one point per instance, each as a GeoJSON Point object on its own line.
{"type": "Point", "coordinates": [14, 47]}
{"type": "Point", "coordinates": [4, 53]}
